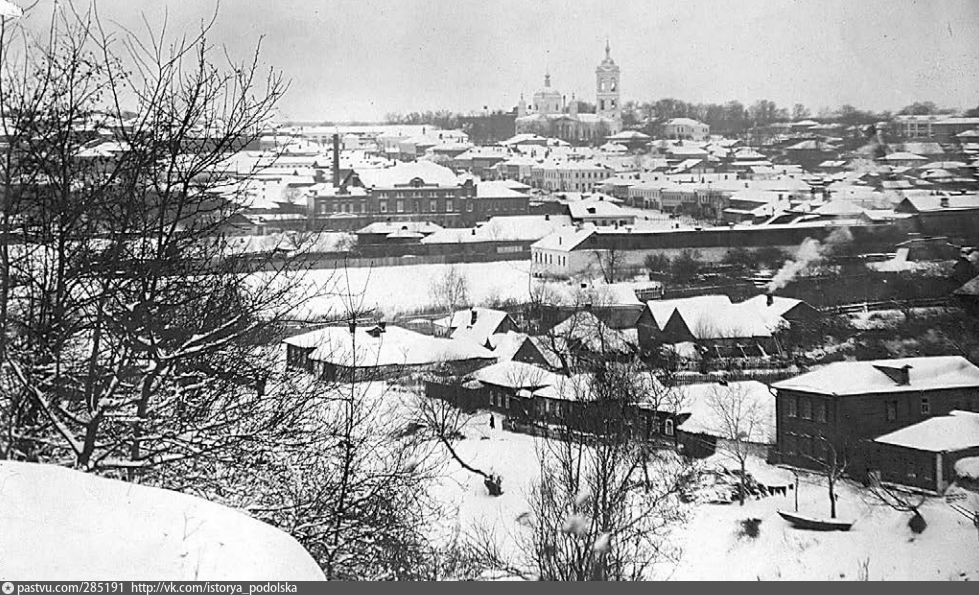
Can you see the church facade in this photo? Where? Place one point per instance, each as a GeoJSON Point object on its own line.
{"type": "Point", "coordinates": [551, 115]}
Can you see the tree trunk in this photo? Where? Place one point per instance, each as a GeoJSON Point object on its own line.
{"type": "Point", "coordinates": [741, 486]}
{"type": "Point", "coordinates": [832, 499]}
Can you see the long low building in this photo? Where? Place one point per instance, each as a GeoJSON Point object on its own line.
{"type": "Point", "coordinates": [377, 351]}
{"type": "Point", "coordinates": [589, 250]}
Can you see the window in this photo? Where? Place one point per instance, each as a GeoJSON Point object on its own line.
{"type": "Point", "coordinates": [806, 408]}
{"type": "Point", "coordinates": [508, 402]}
{"type": "Point", "coordinates": [448, 205]}
{"type": "Point", "coordinates": [820, 412]}
{"type": "Point", "coordinates": [433, 205]}
{"type": "Point", "coordinates": [400, 206]}
{"type": "Point", "coordinates": [925, 407]}
{"type": "Point", "coordinates": [668, 427]}
{"type": "Point", "coordinates": [791, 407]}
{"type": "Point", "coordinates": [891, 410]}
{"type": "Point", "coordinates": [382, 206]}
{"type": "Point", "coordinates": [910, 471]}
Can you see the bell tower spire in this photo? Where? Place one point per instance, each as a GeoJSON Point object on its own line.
{"type": "Point", "coordinates": [607, 86]}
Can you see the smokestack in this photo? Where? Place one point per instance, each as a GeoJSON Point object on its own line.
{"type": "Point", "coordinates": [770, 299]}
{"type": "Point", "coordinates": [336, 160]}
{"type": "Point", "coordinates": [905, 375]}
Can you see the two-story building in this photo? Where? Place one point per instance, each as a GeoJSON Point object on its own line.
{"type": "Point", "coordinates": [844, 405]}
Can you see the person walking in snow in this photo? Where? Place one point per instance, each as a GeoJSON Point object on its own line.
{"type": "Point", "coordinates": [492, 422]}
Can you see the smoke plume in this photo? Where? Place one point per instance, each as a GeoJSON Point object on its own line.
{"type": "Point", "coordinates": [810, 253]}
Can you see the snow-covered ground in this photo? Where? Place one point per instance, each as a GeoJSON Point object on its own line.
{"type": "Point", "coordinates": [880, 538]}
{"type": "Point", "coordinates": [61, 524]}
{"type": "Point", "coordinates": [712, 548]}
{"type": "Point", "coordinates": [400, 289]}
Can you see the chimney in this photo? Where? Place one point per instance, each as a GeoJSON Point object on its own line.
{"type": "Point", "coordinates": [336, 160]}
{"type": "Point", "coordinates": [770, 299]}
{"type": "Point", "coordinates": [944, 202]}
{"type": "Point", "coordinates": [547, 217]}
{"type": "Point", "coordinates": [905, 378]}
{"type": "Point", "coordinates": [474, 231]}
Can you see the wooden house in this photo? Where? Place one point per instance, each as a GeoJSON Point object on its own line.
{"type": "Point", "coordinates": [845, 404]}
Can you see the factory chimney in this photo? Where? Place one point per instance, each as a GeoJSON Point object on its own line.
{"type": "Point", "coordinates": [336, 161]}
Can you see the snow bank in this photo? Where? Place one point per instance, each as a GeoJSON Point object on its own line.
{"type": "Point", "coordinates": [61, 524]}
{"type": "Point", "coordinates": [968, 468]}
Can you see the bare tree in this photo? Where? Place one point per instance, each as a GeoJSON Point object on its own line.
{"type": "Point", "coordinates": [901, 501]}
{"type": "Point", "coordinates": [833, 465]}
{"type": "Point", "coordinates": [598, 513]}
{"type": "Point", "coordinates": [137, 325]}
{"type": "Point", "coordinates": [444, 423]}
{"type": "Point", "coordinates": [740, 422]}
{"type": "Point", "coordinates": [450, 291]}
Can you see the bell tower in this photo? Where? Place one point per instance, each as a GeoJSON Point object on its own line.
{"type": "Point", "coordinates": [607, 102]}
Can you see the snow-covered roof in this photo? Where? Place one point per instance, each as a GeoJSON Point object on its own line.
{"type": "Point", "coordinates": [713, 316]}
{"type": "Point", "coordinates": [869, 377]}
{"type": "Point", "coordinates": [403, 173]}
{"type": "Point", "coordinates": [497, 189]}
{"type": "Point", "coordinates": [713, 406]}
{"type": "Point", "coordinates": [395, 346]}
{"type": "Point", "coordinates": [903, 156]}
{"type": "Point", "coordinates": [683, 122]}
{"type": "Point", "coordinates": [505, 345]}
{"type": "Point", "coordinates": [475, 324]}
{"type": "Point", "coordinates": [517, 228]}
{"type": "Point", "coordinates": [388, 227]}
{"type": "Point", "coordinates": [66, 524]}
{"type": "Point", "coordinates": [628, 135]}
{"type": "Point", "coordinates": [780, 304]}
{"type": "Point", "coordinates": [942, 203]}
{"type": "Point", "coordinates": [970, 288]}
{"type": "Point", "coordinates": [596, 293]}
{"type": "Point", "coordinates": [591, 208]}
{"type": "Point", "coordinates": [563, 239]}
{"type": "Point", "coordinates": [516, 375]}
{"type": "Point", "coordinates": [956, 431]}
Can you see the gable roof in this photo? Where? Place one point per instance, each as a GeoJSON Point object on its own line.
{"type": "Point", "coordinates": [476, 324]}
{"type": "Point", "coordinates": [867, 377]}
{"type": "Point", "coordinates": [393, 347]}
{"type": "Point", "coordinates": [712, 317]}
{"type": "Point", "coordinates": [958, 430]}
{"type": "Point", "coordinates": [563, 239]}
{"type": "Point", "coordinates": [515, 375]}
{"type": "Point", "coordinates": [970, 288]}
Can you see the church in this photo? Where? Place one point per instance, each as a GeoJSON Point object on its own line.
{"type": "Point", "coordinates": [552, 115]}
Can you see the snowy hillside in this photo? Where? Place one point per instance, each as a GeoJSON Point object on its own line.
{"type": "Point", "coordinates": [61, 524]}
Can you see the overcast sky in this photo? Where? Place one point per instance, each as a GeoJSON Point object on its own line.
{"type": "Point", "coordinates": [359, 59]}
